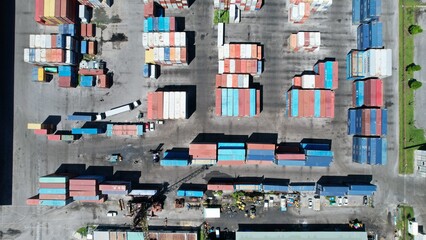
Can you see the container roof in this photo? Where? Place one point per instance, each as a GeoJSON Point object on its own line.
{"type": "Point", "coordinates": [301, 235]}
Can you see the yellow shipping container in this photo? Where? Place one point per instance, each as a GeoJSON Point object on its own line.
{"type": "Point", "coordinates": [41, 74]}
{"type": "Point", "coordinates": [35, 126]}
{"type": "Point", "coordinates": [149, 56]}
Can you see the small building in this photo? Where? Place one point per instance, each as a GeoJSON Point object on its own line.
{"type": "Point", "coordinates": [211, 212]}
{"type": "Point", "coordinates": [413, 228]}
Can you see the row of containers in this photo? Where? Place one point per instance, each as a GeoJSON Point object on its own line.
{"type": "Point", "coordinates": [237, 102]}
{"type": "Point", "coordinates": [312, 94]}
{"type": "Point", "coordinates": [307, 153]}
{"type": "Point", "coordinates": [365, 66]}
{"type": "Point", "coordinates": [300, 10]}
{"type": "Point", "coordinates": [167, 105]}
{"type": "Point", "coordinates": [55, 12]}
{"type": "Point", "coordinates": [60, 189]}
{"type": "Point", "coordinates": [240, 58]}
{"type": "Point", "coordinates": [367, 121]}
{"type": "Point", "coordinates": [163, 44]}
{"type": "Point", "coordinates": [68, 77]}
{"type": "Point", "coordinates": [346, 187]}
{"type": "Point", "coordinates": [304, 42]}
{"type": "Point", "coordinates": [243, 5]}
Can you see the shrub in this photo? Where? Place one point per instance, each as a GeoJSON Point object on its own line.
{"type": "Point", "coordinates": [413, 67]}
{"type": "Point", "coordinates": [414, 84]}
{"type": "Point", "coordinates": [415, 29]}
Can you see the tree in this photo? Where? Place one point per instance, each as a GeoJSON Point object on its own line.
{"type": "Point", "coordinates": [414, 84]}
{"type": "Point", "coordinates": [415, 29]}
{"type": "Point", "coordinates": [413, 67]}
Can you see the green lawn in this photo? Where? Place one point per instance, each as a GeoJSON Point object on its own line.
{"type": "Point", "coordinates": [404, 213]}
{"type": "Point", "coordinates": [410, 137]}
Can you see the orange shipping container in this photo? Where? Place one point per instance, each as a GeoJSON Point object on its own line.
{"type": "Point", "coordinates": [150, 109]}
{"type": "Point", "coordinates": [218, 102]}
{"type": "Point", "coordinates": [160, 104]}
{"type": "Point", "coordinates": [261, 146]}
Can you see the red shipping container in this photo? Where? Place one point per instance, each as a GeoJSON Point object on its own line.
{"type": "Point", "coordinates": [301, 103]}
{"type": "Point", "coordinates": [172, 24]}
{"type": "Point", "coordinates": [91, 72]}
{"type": "Point", "coordinates": [91, 32]}
{"type": "Point", "coordinates": [53, 40]}
{"type": "Point", "coordinates": [218, 80]}
{"type": "Point", "coordinates": [335, 75]}
{"type": "Point", "coordinates": [83, 187]}
{"type": "Point", "coordinates": [83, 30]}
{"type": "Point", "coordinates": [103, 81]}
{"type": "Point", "coordinates": [257, 162]}
{"type": "Point", "coordinates": [232, 51]}
{"type": "Point", "coordinates": [292, 156]}
{"type": "Point", "coordinates": [241, 102]}
{"type": "Point", "coordinates": [83, 182]}
{"type": "Point", "coordinates": [297, 81]}
{"type": "Point", "coordinates": [220, 187]}
{"type": "Point", "coordinates": [39, 11]}
{"type": "Point", "coordinates": [155, 106]}
{"type": "Point", "coordinates": [53, 196]}
{"type": "Point", "coordinates": [218, 102]}
{"type": "Point", "coordinates": [148, 9]}
{"type": "Point", "coordinates": [33, 200]}
{"type": "Point", "coordinates": [150, 106]}
{"type": "Point", "coordinates": [247, 102]}
{"type": "Point", "coordinates": [57, 18]}
{"type": "Point", "coordinates": [257, 102]}
{"type": "Point", "coordinates": [331, 107]}
{"type": "Point", "coordinates": [53, 137]}
{"type": "Point", "coordinates": [160, 96]}
{"type": "Point", "coordinates": [183, 55]}
{"type": "Point", "coordinates": [83, 193]}
{"type": "Point", "coordinates": [261, 146]}
{"type": "Point", "coordinates": [230, 163]}
{"type": "Point", "coordinates": [40, 131]}
{"type": "Point", "coordinates": [244, 67]}
{"type": "Point", "coordinates": [237, 49]}
{"type": "Point", "coordinates": [378, 122]}
{"type": "Point", "coordinates": [234, 80]}
{"type": "Point", "coordinates": [53, 185]}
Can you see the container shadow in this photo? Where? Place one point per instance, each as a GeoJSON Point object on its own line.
{"type": "Point", "coordinates": [52, 119]}
{"type": "Point", "coordinates": [248, 180]}
{"type": "Point", "coordinates": [7, 95]}
{"type": "Point", "coordinates": [317, 140]}
{"type": "Point", "coordinates": [343, 180]}
{"type": "Point", "coordinates": [276, 181]}
{"type": "Point", "coordinates": [208, 138]}
{"type": "Point", "coordinates": [297, 228]}
{"type": "Point", "coordinates": [77, 169]}
{"type": "Point", "coordinates": [193, 186]}
{"type": "Point", "coordinates": [131, 176]}
{"type": "Point", "coordinates": [180, 24]}
{"type": "Point", "coordinates": [191, 49]}
{"type": "Point", "coordinates": [106, 171]}
{"type": "Point", "coordinates": [263, 138]}
{"type": "Point", "coordinates": [148, 186]}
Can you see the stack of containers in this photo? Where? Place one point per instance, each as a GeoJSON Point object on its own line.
{"type": "Point", "coordinates": [86, 189]}
{"type": "Point", "coordinates": [87, 81]}
{"type": "Point", "coordinates": [55, 12]}
{"type": "Point", "coordinates": [364, 11]}
{"type": "Point", "coordinates": [163, 45]}
{"type": "Point", "coordinates": [53, 191]}
{"type": "Point", "coordinates": [237, 102]}
{"type": "Point", "coordinates": [318, 154]}
{"type": "Point", "coordinates": [304, 42]}
{"type": "Point", "coordinates": [232, 80]}
{"type": "Point", "coordinates": [86, 131]}
{"type": "Point", "coordinates": [310, 103]}
{"type": "Point", "coordinates": [175, 158]}
{"type": "Point", "coordinates": [203, 153]}
{"type": "Point", "coordinates": [150, 9]}
{"type": "Point", "coordinates": [260, 153]}
{"type": "Point", "coordinates": [41, 128]}
{"type": "Point", "coordinates": [88, 30]}
{"type": "Point", "coordinates": [275, 185]}
{"type": "Point", "coordinates": [167, 105]}
{"type": "Point", "coordinates": [369, 35]}
{"type": "Point", "coordinates": [51, 50]}
{"type": "Point", "coordinates": [248, 184]}
{"type": "Point", "coordinates": [241, 58]}
{"type": "Point", "coordinates": [368, 92]}
{"type": "Point", "coordinates": [115, 187]}
{"type": "Point", "coordinates": [300, 10]}
{"type": "Point", "coordinates": [369, 62]}
{"type": "Point", "coordinates": [367, 121]}
{"type": "Point", "coordinates": [327, 74]}
{"type": "Point", "coordinates": [38, 74]}
{"type": "Point", "coordinates": [290, 155]}
{"type": "Point", "coordinates": [230, 153]}
{"type": "Point", "coordinates": [243, 5]}
{"type": "Point", "coordinates": [124, 130]}
{"type": "Point", "coordinates": [176, 4]}
{"type": "Point", "coordinates": [369, 150]}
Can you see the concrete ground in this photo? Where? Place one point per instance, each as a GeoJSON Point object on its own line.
{"type": "Point", "coordinates": [420, 94]}
{"type": "Point", "coordinates": [34, 156]}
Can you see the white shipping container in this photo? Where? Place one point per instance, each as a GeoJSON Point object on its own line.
{"type": "Point", "coordinates": [48, 41]}
{"type": "Point", "coordinates": [37, 55]}
{"type": "Point", "coordinates": [166, 38]}
{"type": "Point", "coordinates": [166, 104]}
{"type": "Point", "coordinates": [232, 65]}
{"type": "Point", "coordinates": [43, 55]}
{"type": "Point", "coordinates": [145, 43]}
{"type": "Point", "coordinates": [308, 81]}
{"type": "Point", "coordinates": [37, 42]}
{"type": "Point", "coordinates": [154, 71]}
{"type": "Point", "coordinates": [151, 40]}
{"type": "Point", "coordinates": [300, 39]}
{"type": "Point", "coordinates": [228, 80]}
{"type": "Point", "coordinates": [248, 50]}
{"type": "Point", "coordinates": [178, 54]}
{"type": "Point", "coordinates": [83, 13]}
{"type": "Point", "coordinates": [183, 39]}
{"type": "Point", "coordinates": [68, 43]}
{"type": "Point", "coordinates": [118, 110]}
{"type": "Point", "coordinates": [26, 55]}
{"type": "Point", "coordinates": [220, 52]}
{"type": "Point", "coordinates": [42, 41]}
{"type": "Point", "coordinates": [69, 57]}
{"type": "Point", "coordinates": [226, 51]}
{"type": "Point", "coordinates": [183, 105]}
{"type": "Point", "coordinates": [32, 41]}
{"type": "Point", "coordinates": [246, 81]}
{"type": "Point", "coordinates": [161, 55]}
{"type": "Point", "coordinates": [156, 39]}
{"type": "Point", "coordinates": [221, 65]}
{"type": "Point", "coordinates": [220, 34]}
{"type": "Point", "coordinates": [172, 106]}
{"type": "Point", "coordinates": [177, 105]}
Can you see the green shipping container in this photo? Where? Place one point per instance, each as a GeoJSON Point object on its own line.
{"type": "Point", "coordinates": [53, 179]}
{"type": "Point", "coordinates": [67, 137]}
{"type": "Point", "coordinates": [135, 236]}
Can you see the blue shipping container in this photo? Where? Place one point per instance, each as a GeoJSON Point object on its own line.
{"type": "Point", "coordinates": [232, 151]}
{"type": "Point", "coordinates": [374, 9]}
{"type": "Point", "coordinates": [291, 162]}
{"type": "Point", "coordinates": [261, 157]}
{"type": "Point", "coordinates": [235, 107]}
{"type": "Point", "coordinates": [252, 102]}
{"type": "Point", "coordinates": [320, 153]}
{"type": "Point", "coordinates": [55, 203]}
{"type": "Point", "coordinates": [64, 71]}
{"type": "Point", "coordinates": [230, 157]}
{"type": "Point", "coordinates": [318, 161]}
{"type": "Point", "coordinates": [150, 24]}
{"type": "Point", "coordinates": [295, 103]}
{"type": "Point", "coordinates": [230, 145]}
{"type": "Point", "coordinates": [259, 67]}
{"type": "Point", "coordinates": [275, 188]}
{"type": "Point", "coordinates": [317, 103]}
{"type": "Point", "coordinates": [173, 163]}
{"type": "Point", "coordinates": [384, 121]}
{"type": "Point", "coordinates": [356, 15]}
{"type": "Point", "coordinates": [328, 67]}
{"type": "Point", "coordinates": [88, 131]}
{"type": "Point", "coordinates": [87, 118]}
{"type": "Point", "coordinates": [351, 121]}
{"type": "Point", "coordinates": [167, 24]}
{"type": "Point", "coordinates": [230, 102]}
{"type": "Point", "coordinates": [369, 187]}
{"type": "Point", "coordinates": [83, 47]}
{"type": "Point", "coordinates": [52, 191]}
{"type": "Point", "coordinates": [260, 152]}
{"type": "Point", "coordinates": [224, 102]}
{"type": "Point", "coordinates": [145, 26]}
{"type": "Point", "coordinates": [146, 70]}
{"type": "Point", "coordinates": [155, 28]}
{"type": "Point", "coordinates": [376, 35]}
{"type": "Point", "coordinates": [86, 198]}
{"type": "Point", "coordinates": [302, 187]}
{"type": "Point", "coordinates": [360, 193]}
{"type": "Point", "coordinates": [87, 81]}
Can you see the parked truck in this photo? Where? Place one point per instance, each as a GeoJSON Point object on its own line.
{"type": "Point", "coordinates": [283, 203]}
{"type": "Point", "coordinates": [317, 203]}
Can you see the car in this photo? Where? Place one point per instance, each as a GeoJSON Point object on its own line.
{"type": "Point", "coordinates": [160, 122]}
{"type": "Point", "coordinates": [151, 126]}
{"type": "Point", "coordinates": [339, 201]}
{"type": "Point", "coordinates": [136, 103]}
{"type": "Point", "coordinates": [345, 201]}
{"type": "Point", "coordinates": [310, 204]}
{"type": "Point", "coordinates": [217, 232]}
{"type": "Point", "coordinates": [146, 126]}
{"type": "Point", "coordinates": [266, 204]}
{"type": "Point", "coordinates": [365, 200]}
{"type": "Point", "coordinates": [112, 213]}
